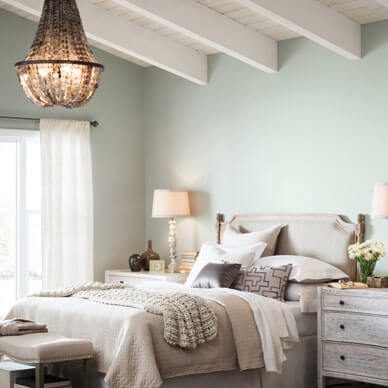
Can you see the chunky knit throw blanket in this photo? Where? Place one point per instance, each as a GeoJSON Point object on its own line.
{"type": "Point", "coordinates": [188, 319]}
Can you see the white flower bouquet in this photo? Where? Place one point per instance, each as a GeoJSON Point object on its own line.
{"type": "Point", "coordinates": [367, 254]}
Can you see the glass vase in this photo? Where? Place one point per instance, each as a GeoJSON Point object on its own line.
{"type": "Point", "coordinates": [148, 255]}
{"type": "Point", "coordinates": [366, 269]}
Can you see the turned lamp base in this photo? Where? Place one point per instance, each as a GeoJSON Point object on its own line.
{"type": "Point", "coordinates": [172, 267]}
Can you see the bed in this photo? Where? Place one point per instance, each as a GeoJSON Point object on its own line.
{"type": "Point", "coordinates": [324, 237]}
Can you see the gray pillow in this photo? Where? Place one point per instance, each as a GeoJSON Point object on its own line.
{"type": "Point", "coordinates": [215, 275]}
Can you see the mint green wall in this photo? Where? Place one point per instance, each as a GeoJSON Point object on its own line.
{"type": "Point", "coordinates": [312, 138]}
{"type": "Point", "coordinates": [117, 144]}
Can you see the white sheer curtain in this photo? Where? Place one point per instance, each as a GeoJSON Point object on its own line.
{"type": "Point", "coordinates": [67, 203]}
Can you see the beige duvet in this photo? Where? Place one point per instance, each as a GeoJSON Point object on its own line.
{"type": "Point", "coordinates": [129, 344]}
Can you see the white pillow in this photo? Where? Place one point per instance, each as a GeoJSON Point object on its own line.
{"type": "Point", "coordinates": [213, 253]}
{"type": "Point", "coordinates": [232, 237]}
{"type": "Point", "coordinates": [258, 247]}
{"type": "Point", "coordinates": [304, 269]}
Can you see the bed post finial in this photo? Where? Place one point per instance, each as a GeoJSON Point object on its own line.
{"type": "Point", "coordinates": [361, 228]}
{"type": "Point", "coordinates": [220, 219]}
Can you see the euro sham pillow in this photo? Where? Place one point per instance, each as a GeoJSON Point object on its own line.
{"type": "Point", "coordinates": [305, 269]}
{"type": "Point", "coordinates": [259, 249]}
{"type": "Point", "coordinates": [232, 237]}
{"type": "Point", "coordinates": [215, 275]}
{"type": "Point", "coordinates": [213, 253]}
{"type": "Point", "coordinates": [266, 281]}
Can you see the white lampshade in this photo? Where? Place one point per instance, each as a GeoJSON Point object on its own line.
{"type": "Point", "coordinates": [168, 204]}
{"type": "Point", "coordinates": [380, 200]}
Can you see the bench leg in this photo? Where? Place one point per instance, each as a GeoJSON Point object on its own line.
{"type": "Point", "coordinates": [87, 372]}
{"type": "Point", "coordinates": [39, 376]}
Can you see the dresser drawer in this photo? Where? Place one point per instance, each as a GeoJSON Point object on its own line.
{"type": "Point", "coordinates": [361, 360]}
{"type": "Point", "coordinates": [132, 281]}
{"type": "Point", "coordinates": [136, 278]}
{"type": "Point", "coordinates": [354, 303]}
{"type": "Point", "coordinates": [337, 326]}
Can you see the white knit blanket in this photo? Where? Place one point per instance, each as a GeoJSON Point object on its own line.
{"type": "Point", "coordinates": [275, 323]}
{"type": "Point", "coordinates": [188, 319]}
{"type": "Point", "coordinates": [74, 289]}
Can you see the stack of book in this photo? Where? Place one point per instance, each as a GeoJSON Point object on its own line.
{"type": "Point", "coordinates": [49, 382]}
{"type": "Point", "coordinates": [187, 261]}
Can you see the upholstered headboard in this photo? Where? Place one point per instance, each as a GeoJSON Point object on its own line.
{"type": "Point", "coordinates": [322, 236]}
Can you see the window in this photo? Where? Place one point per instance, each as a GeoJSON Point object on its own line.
{"type": "Point", "coordinates": [20, 216]}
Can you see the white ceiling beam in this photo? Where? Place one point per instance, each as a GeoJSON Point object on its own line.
{"type": "Point", "coordinates": [315, 21]}
{"type": "Point", "coordinates": [210, 28]}
{"type": "Point", "coordinates": [128, 38]}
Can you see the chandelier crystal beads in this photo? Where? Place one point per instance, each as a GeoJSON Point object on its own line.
{"type": "Point", "coordinates": [61, 68]}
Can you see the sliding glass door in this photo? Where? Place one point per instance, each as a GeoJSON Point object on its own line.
{"type": "Point", "coordinates": [20, 230]}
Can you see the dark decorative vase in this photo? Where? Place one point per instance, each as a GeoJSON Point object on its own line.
{"type": "Point", "coordinates": [135, 263]}
{"type": "Point", "coordinates": [148, 255]}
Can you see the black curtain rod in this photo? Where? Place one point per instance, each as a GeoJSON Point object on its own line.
{"type": "Point", "coordinates": [92, 123]}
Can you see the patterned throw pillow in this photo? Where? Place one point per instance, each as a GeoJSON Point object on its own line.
{"type": "Point", "coordinates": [266, 281]}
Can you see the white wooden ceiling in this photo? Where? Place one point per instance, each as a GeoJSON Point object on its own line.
{"type": "Point", "coordinates": [361, 11]}
{"type": "Point", "coordinates": [177, 35]}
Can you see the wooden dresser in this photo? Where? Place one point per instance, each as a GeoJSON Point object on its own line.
{"type": "Point", "coordinates": [353, 335]}
{"type": "Point", "coordinates": [125, 276]}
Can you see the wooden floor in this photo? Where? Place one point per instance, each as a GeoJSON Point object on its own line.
{"type": "Point", "coordinates": [354, 385]}
{"type": "Point", "coordinates": [342, 383]}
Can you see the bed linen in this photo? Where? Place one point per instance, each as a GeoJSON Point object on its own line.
{"type": "Point", "coordinates": [299, 371]}
{"type": "Point", "coordinates": [129, 344]}
{"type": "Point", "coordinates": [306, 323]}
{"type": "Point", "coordinates": [187, 319]}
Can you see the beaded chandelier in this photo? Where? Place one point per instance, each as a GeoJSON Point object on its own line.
{"type": "Point", "coordinates": [61, 68]}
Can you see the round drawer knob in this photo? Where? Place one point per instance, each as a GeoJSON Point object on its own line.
{"type": "Point", "coordinates": [342, 358]}
{"type": "Point", "coordinates": [342, 327]}
{"type": "Point", "coordinates": [341, 302]}
{"type": "Point", "coordinates": [121, 282]}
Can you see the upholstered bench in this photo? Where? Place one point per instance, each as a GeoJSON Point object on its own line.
{"type": "Point", "coordinates": [47, 348]}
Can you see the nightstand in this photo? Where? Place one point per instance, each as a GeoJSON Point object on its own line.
{"type": "Point", "coordinates": [125, 276]}
{"type": "Point", "coordinates": [353, 335]}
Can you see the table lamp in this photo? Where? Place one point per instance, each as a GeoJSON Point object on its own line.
{"type": "Point", "coordinates": [171, 204]}
{"type": "Point", "coordinates": [380, 200]}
